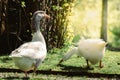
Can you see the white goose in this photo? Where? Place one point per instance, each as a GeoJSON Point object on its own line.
{"type": "Point", "coordinates": [31, 54]}
{"type": "Point", "coordinates": [91, 49]}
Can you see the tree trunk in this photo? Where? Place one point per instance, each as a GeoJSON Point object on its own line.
{"type": "Point", "coordinates": [104, 20]}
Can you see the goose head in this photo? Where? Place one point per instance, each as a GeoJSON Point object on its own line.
{"type": "Point", "coordinates": [37, 16]}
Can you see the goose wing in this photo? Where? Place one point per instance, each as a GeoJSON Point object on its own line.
{"type": "Point", "coordinates": [33, 50]}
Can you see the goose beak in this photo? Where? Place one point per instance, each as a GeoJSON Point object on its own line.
{"type": "Point", "coordinates": [47, 16]}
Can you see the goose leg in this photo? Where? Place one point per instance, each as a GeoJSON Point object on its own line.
{"type": "Point", "coordinates": [60, 62]}
{"type": "Point", "coordinates": [87, 63]}
{"type": "Point", "coordinates": [26, 75]}
{"type": "Point", "coordinates": [34, 71]}
{"type": "Point", "coordinates": [101, 65]}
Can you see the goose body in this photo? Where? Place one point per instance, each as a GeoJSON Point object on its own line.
{"type": "Point", "coordinates": [31, 54]}
{"type": "Point", "coordinates": [28, 55]}
{"type": "Point", "coordinates": [91, 49]}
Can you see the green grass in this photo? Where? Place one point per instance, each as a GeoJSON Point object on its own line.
{"type": "Point", "coordinates": [111, 63]}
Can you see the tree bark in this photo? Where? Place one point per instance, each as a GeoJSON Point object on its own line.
{"type": "Point", "coordinates": [104, 20]}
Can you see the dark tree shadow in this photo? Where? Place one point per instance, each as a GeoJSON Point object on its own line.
{"type": "Point", "coordinates": [84, 71]}
{"type": "Point", "coordinates": [18, 78]}
{"type": "Point", "coordinates": [72, 71]}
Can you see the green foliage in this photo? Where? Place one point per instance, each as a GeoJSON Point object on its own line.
{"type": "Point", "coordinates": [60, 32]}
{"type": "Point", "coordinates": [69, 35]}
{"type": "Point", "coordinates": [116, 31]}
{"type": "Point", "coordinates": [76, 38]}
{"type": "Point", "coordinates": [116, 37]}
{"type": "Point", "coordinates": [23, 4]}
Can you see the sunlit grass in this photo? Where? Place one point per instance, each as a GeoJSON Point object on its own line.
{"type": "Point", "coordinates": [111, 63]}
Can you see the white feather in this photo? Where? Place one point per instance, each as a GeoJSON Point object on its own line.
{"type": "Point", "coordinates": [70, 53]}
{"type": "Point", "coordinates": [91, 49]}
{"type": "Point", "coordinates": [28, 54]}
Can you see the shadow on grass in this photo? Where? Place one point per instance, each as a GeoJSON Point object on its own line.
{"type": "Point", "coordinates": [74, 68]}
{"type": "Point", "coordinates": [12, 78]}
{"type": "Point", "coordinates": [111, 48]}
{"type": "Point", "coordinates": [80, 72]}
